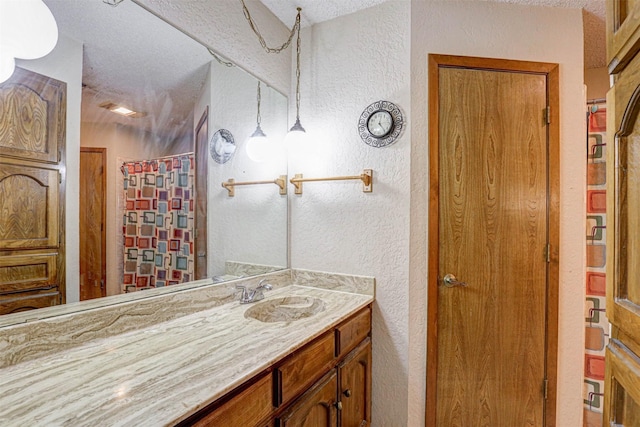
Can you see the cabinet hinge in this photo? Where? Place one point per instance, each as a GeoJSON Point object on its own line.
{"type": "Point", "coordinates": [59, 155]}
{"type": "Point", "coordinates": [545, 388]}
{"type": "Point", "coordinates": [59, 178]}
{"type": "Point", "coordinates": [547, 114]}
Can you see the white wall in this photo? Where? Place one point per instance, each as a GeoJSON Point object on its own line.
{"type": "Point", "coordinates": [349, 63]}
{"type": "Point", "coordinates": [515, 32]}
{"type": "Point", "coordinates": [354, 60]}
{"type": "Point", "coordinates": [64, 63]}
{"type": "Point", "coordinates": [250, 227]}
{"type": "Point", "coordinates": [221, 24]}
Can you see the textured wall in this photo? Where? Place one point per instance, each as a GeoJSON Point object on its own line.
{"type": "Point", "coordinates": [349, 63]}
{"type": "Point", "coordinates": [64, 63]}
{"type": "Point", "coordinates": [221, 25]}
{"type": "Point", "coordinates": [514, 32]}
{"type": "Point", "coordinates": [250, 227]}
{"type": "Point", "coordinates": [597, 81]}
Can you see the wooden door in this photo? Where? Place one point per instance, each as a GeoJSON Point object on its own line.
{"type": "Point", "coordinates": [316, 408]}
{"type": "Point", "coordinates": [355, 387]}
{"type": "Point", "coordinates": [32, 142]}
{"type": "Point", "coordinates": [622, 371]}
{"type": "Point", "coordinates": [92, 223]}
{"type": "Point", "coordinates": [489, 350]}
{"type": "Point", "coordinates": [202, 157]}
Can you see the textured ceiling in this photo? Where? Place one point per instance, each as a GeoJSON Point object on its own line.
{"type": "Point", "coordinates": [130, 58]}
{"type": "Point", "coordinates": [315, 11]}
{"type": "Point", "coordinates": [123, 44]}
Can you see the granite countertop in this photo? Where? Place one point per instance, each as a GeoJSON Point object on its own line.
{"type": "Point", "coordinates": [159, 375]}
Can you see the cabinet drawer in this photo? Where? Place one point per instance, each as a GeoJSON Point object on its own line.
{"type": "Point", "coordinates": [303, 368]}
{"type": "Point", "coordinates": [352, 331]}
{"type": "Point", "coordinates": [245, 408]}
{"type": "Point", "coordinates": [20, 273]}
{"type": "Point", "coordinates": [23, 302]}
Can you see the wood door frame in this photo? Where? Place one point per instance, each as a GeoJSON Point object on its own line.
{"type": "Point", "coordinates": [551, 71]}
{"type": "Point", "coordinates": [103, 231]}
{"type": "Point", "coordinates": [200, 147]}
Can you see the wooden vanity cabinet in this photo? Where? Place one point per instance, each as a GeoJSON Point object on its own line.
{"type": "Point", "coordinates": [342, 397]}
{"type": "Point", "coordinates": [326, 383]}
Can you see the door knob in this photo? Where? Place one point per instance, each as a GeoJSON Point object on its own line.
{"type": "Point", "coordinates": [450, 281]}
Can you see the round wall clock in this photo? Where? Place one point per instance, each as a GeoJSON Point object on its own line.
{"type": "Point", "coordinates": [381, 124]}
{"type": "Point", "coordinates": [222, 146]}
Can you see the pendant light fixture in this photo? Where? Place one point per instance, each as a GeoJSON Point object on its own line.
{"type": "Point", "coordinates": [28, 30]}
{"type": "Point", "coordinates": [258, 147]}
{"type": "Point", "coordinates": [297, 134]}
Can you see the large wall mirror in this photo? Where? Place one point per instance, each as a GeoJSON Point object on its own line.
{"type": "Point", "coordinates": [138, 168]}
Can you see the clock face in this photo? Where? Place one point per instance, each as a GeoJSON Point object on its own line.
{"type": "Point", "coordinates": [222, 146]}
{"type": "Point", "coordinates": [380, 123]}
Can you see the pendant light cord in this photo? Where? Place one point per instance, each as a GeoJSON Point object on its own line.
{"type": "Point", "coordinates": [263, 43]}
{"type": "Point", "coordinates": [295, 29]}
{"type": "Point", "coordinates": [298, 67]}
{"type": "Point", "coordinates": [258, 118]}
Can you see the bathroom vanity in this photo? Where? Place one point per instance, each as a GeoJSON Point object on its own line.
{"type": "Point", "coordinates": [197, 356]}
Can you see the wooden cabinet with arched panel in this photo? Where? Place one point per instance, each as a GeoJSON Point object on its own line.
{"type": "Point", "coordinates": [32, 136]}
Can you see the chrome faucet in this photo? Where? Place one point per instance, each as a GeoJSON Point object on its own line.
{"type": "Point", "coordinates": [253, 295]}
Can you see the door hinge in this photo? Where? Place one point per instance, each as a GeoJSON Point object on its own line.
{"type": "Point", "coordinates": [547, 114]}
{"type": "Point", "coordinates": [545, 388]}
{"type": "Point", "coordinates": [547, 252]}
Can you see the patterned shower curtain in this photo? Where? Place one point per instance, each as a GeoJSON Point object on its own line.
{"type": "Point", "coordinates": [596, 324]}
{"type": "Point", "coordinates": [158, 222]}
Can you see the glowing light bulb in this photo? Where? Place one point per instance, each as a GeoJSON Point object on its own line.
{"type": "Point", "coordinates": [258, 146]}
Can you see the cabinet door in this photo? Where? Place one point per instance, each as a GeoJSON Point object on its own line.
{"type": "Point", "coordinates": [29, 205]}
{"type": "Point", "coordinates": [623, 33]}
{"type": "Point", "coordinates": [622, 395]}
{"type": "Point", "coordinates": [315, 408]}
{"type": "Point", "coordinates": [32, 117]}
{"type": "Point", "coordinates": [622, 374]}
{"type": "Point", "coordinates": [355, 387]}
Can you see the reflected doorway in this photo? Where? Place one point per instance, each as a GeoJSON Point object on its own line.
{"type": "Point", "coordinates": [92, 223]}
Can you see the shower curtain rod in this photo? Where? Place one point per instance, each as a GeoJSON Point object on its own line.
{"type": "Point", "coordinates": [160, 158]}
{"type": "Point", "coordinates": [596, 101]}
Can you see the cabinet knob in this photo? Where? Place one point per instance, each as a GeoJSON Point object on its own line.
{"type": "Point", "coordinates": [347, 392]}
{"type": "Point", "coordinates": [339, 406]}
